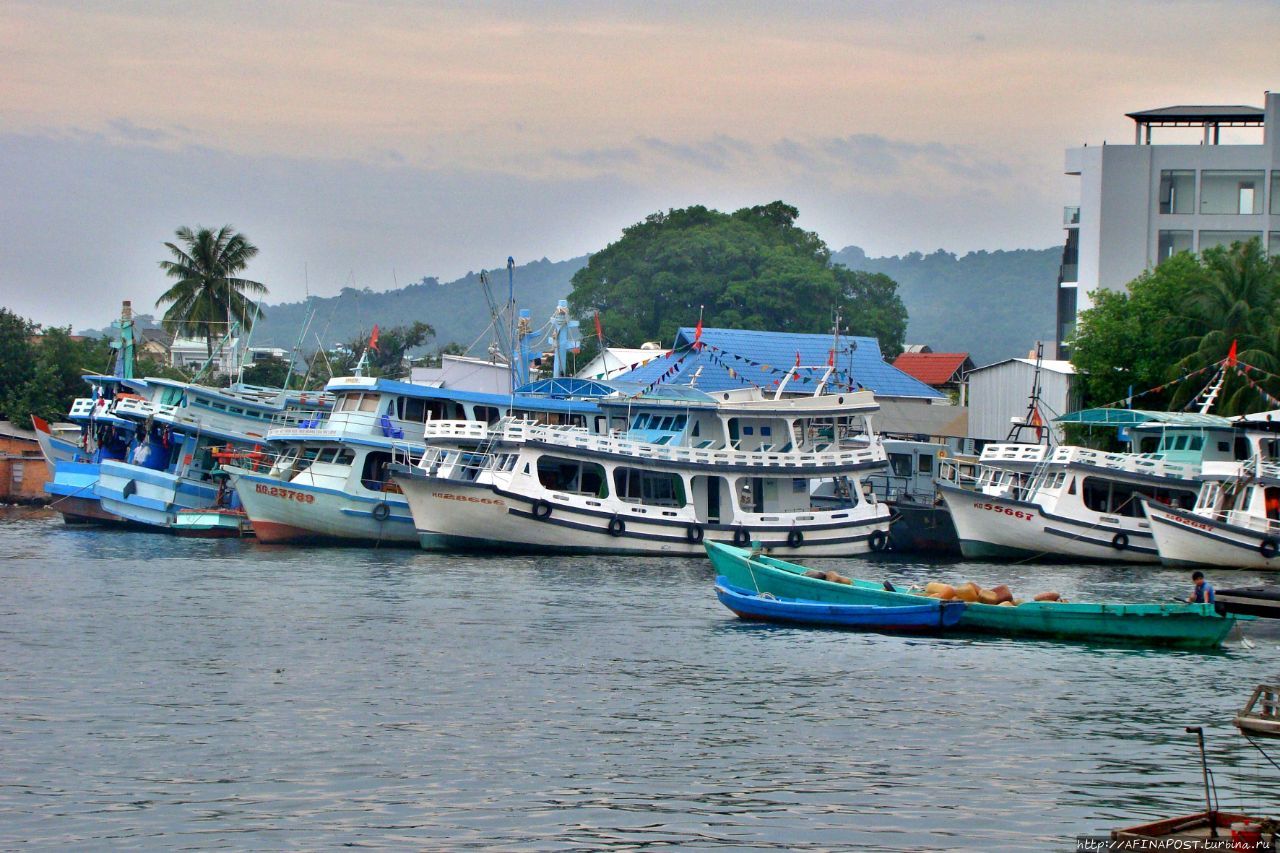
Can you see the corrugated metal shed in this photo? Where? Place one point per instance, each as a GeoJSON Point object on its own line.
{"type": "Point", "coordinates": [765, 358]}
{"type": "Point", "coordinates": [999, 392]}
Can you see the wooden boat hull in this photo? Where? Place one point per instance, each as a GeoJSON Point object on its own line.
{"type": "Point", "coordinates": [1259, 601]}
{"type": "Point", "coordinates": [1178, 625]}
{"type": "Point", "coordinates": [747, 604]}
{"type": "Point", "coordinates": [923, 529]}
{"type": "Point", "coordinates": [1188, 832]}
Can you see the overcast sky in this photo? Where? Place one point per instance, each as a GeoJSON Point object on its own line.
{"type": "Point", "coordinates": [370, 144]}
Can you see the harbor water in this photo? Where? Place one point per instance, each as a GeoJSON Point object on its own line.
{"type": "Point", "coordinates": [162, 692]}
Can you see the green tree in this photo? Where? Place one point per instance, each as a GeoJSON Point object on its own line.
{"type": "Point", "coordinates": [752, 269]}
{"type": "Point", "coordinates": [57, 363]}
{"type": "Point", "coordinates": [269, 372]}
{"type": "Point", "coordinates": [1178, 318]}
{"type": "Point", "coordinates": [16, 358]}
{"type": "Point", "coordinates": [387, 358]}
{"type": "Point", "coordinates": [208, 292]}
{"type": "Point", "coordinates": [870, 301]}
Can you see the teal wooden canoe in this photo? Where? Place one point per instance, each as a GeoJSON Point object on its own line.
{"type": "Point", "coordinates": [1179, 625]}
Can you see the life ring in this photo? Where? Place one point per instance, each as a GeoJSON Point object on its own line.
{"type": "Point", "coordinates": [694, 534]}
{"type": "Point", "coordinates": [541, 509]}
{"type": "Point", "coordinates": [878, 540]}
{"type": "Point", "coordinates": [1120, 541]}
{"type": "Point", "coordinates": [617, 526]}
{"type": "Point", "coordinates": [382, 511]}
{"type": "Point", "coordinates": [795, 538]}
{"type": "Point", "coordinates": [1268, 548]}
{"type": "Point", "coordinates": [741, 537]}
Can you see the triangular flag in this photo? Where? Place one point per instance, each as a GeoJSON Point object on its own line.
{"type": "Point", "coordinates": [1231, 354]}
{"type": "Point", "coordinates": [373, 339]}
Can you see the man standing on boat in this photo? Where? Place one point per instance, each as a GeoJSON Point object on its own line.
{"type": "Point", "coordinates": [1203, 593]}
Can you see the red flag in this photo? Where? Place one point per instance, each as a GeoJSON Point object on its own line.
{"type": "Point", "coordinates": [599, 331]}
{"type": "Point", "coordinates": [797, 358]}
{"type": "Point", "coordinates": [373, 339]}
{"type": "Point", "coordinates": [1037, 422]}
{"type": "Point", "coordinates": [1231, 354]}
{"type": "Point", "coordinates": [831, 358]}
{"type": "Point", "coordinates": [697, 335]}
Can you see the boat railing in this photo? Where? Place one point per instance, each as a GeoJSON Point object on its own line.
{"type": "Point", "coordinates": [140, 409]}
{"type": "Point", "coordinates": [579, 439]}
{"type": "Point", "coordinates": [302, 424]}
{"type": "Point", "coordinates": [455, 430]}
{"type": "Point", "coordinates": [1129, 463]}
{"type": "Point", "coordinates": [1245, 519]}
{"type": "Point", "coordinates": [1013, 453]}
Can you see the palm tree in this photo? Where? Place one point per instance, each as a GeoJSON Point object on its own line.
{"type": "Point", "coordinates": [207, 295]}
{"type": "Point", "coordinates": [1236, 305]}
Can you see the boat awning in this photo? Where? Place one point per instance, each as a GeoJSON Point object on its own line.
{"type": "Point", "coordinates": [1139, 417]}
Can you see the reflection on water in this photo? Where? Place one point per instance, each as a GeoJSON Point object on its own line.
{"type": "Point", "coordinates": [168, 692]}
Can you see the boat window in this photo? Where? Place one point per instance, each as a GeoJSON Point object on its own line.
{"type": "Point", "coordinates": [374, 474]}
{"type": "Point", "coordinates": [1241, 448]}
{"type": "Point", "coordinates": [1273, 503]}
{"type": "Point", "coordinates": [696, 428]}
{"type": "Point", "coordinates": [413, 409]}
{"type": "Point", "coordinates": [1247, 499]}
{"type": "Point", "coordinates": [925, 463]}
{"type": "Point", "coordinates": [369, 403]}
{"type": "Point", "coordinates": [1149, 444]}
{"type": "Point", "coordinates": [654, 488]}
{"type": "Point", "coordinates": [901, 464]}
{"type": "Point", "coordinates": [1181, 443]}
{"type": "Point", "coordinates": [348, 402]}
{"type": "Point", "coordinates": [345, 457]}
{"type": "Point", "coordinates": [1224, 446]}
{"type": "Point", "coordinates": [572, 475]}
{"type": "Point", "coordinates": [213, 404]}
{"type": "Point", "coordinates": [764, 430]}
{"type": "Point", "coordinates": [1197, 442]}
{"type": "Point", "coordinates": [680, 422]}
{"type": "Point", "coordinates": [746, 430]}
{"type": "Point", "coordinates": [488, 414]}
{"type": "Point", "coordinates": [641, 421]}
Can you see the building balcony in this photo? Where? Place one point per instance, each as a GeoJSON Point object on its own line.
{"type": "Point", "coordinates": [1071, 215]}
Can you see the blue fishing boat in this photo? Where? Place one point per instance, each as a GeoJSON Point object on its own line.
{"type": "Point", "coordinates": [766, 607]}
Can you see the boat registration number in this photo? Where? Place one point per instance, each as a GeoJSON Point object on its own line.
{"type": "Point", "coordinates": [1005, 510]}
{"type": "Point", "coordinates": [468, 499]}
{"type": "Point", "coordinates": [287, 494]}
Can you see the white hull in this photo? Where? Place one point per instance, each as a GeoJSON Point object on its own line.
{"type": "Point", "coordinates": [451, 515]}
{"type": "Point", "coordinates": [991, 526]}
{"type": "Point", "coordinates": [1187, 539]}
{"type": "Point", "coordinates": [290, 512]}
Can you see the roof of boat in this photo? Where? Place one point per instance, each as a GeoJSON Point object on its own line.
{"type": "Point", "coordinates": [410, 389]}
{"type": "Point", "coordinates": [1142, 418]}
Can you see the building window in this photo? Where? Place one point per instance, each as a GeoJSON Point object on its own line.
{"type": "Point", "coordinates": [1170, 243]}
{"type": "Point", "coordinates": [1178, 191]}
{"type": "Point", "coordinates": [1067, 301]}
{"type": "Point", "coordinates": [1275, 193]}
{"type": "Point", "coordinates": [1069, 270]}
{"type": "Point", "coordinates": [1231, 192]}
{"type": "Point", "coordinates": [1275, 242]}
{"type": "Point", "coordinates": [1209, 239]}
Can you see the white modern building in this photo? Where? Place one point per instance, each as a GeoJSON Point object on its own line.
{"type": "Point", "coordinates": [1142, 203]}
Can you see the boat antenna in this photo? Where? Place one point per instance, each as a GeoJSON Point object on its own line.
{"type": "Point", "coordinates": [1198, 731]}
{"type": "Point", "coordinates": [1032, 419]}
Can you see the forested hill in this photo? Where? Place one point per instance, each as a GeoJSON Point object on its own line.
{"type": "Point", "coordinates": [457, 309]}
{"type": "Point", "coordinates": [993, 305]}
{"type": "Point", "coordinates": [990, 304]}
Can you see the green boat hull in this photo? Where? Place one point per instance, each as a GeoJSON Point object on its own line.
{"type": "Point", "coordinates": [1179, 625]}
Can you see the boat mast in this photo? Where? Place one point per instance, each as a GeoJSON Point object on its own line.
{"type": "Point", "coordinates": [1032, 418]}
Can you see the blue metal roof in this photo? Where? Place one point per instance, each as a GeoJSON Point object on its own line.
{"type": "Point", "coordinates": [765, 358]}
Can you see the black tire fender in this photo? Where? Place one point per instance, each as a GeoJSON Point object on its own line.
{"type": "Point", "coordinates": [617, 526]}
{"type": "Point", "coordinates": [741, 537]}
{"type": "Point", "coordinates": [1120, 541]}
{"type": "Point", "coordinates": [878, 540]}
{"type": "Point", "coordinates": [1268, 548]}
{"type": "Point", "coordinates": [694, 534]}
{"type": "Point", "coordinates": [381, 511]}
{"type": "Point", "coordinates": [795, 538]}
{"type": "Point", "coordinates": [541, 509]}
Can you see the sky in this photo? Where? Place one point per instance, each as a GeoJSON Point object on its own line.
{"type": "Point", "coordinates": [370, 144]}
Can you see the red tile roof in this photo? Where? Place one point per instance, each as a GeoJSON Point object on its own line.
{"type": "Point", "coordinates": [933, 368]}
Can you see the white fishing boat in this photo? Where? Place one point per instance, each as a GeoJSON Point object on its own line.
{"type": "Point", "coordinates": [1235, 523]}
{"type": "Point", "coordinates": [323, 476]}
{"type": "Point", "coordinates": [1085, 504]}
{"type": "Point", "coordinates": [680, 465]}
